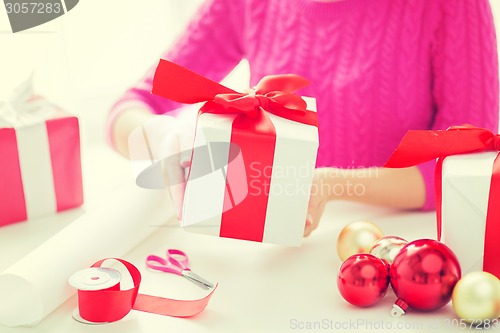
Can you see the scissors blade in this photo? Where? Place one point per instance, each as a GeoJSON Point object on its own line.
{"type": "Point", "coordinates": [198, 280]}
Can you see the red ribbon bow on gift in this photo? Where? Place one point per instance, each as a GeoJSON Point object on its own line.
{"type": "Point", "coordinates": [420, 146]}
{"type": "Point", "coordinates": [274, 93]}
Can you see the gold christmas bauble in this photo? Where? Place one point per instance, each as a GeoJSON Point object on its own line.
{"type": "Point", "coordinates": [388, 247]}
{"type": "Point", "coordinates": [357, 237]}
{"type": "Point", "coordinates": [476, 297]}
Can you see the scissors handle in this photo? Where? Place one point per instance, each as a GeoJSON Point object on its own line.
{"type": "Point", "coordinates": [161, 264]}
{"type": "Point", "coordinates": [178, 258]}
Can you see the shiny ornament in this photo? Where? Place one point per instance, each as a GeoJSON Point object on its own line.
{"type": "Point", "coordinates": [476, 297]}
{"type": "Point", "coordinates": [363, 279]}
{"type": "Point", "coordinates": [357, 237]}
{"type": "Point", "coordinates": [423, 275]}
{"type": "Point", "coordinates": [388, 247]}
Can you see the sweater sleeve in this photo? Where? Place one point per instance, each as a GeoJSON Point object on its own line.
{"type": "Point", "coordinates": [210, 46]}
{"type": "Point", "coordinates": [465, 71]}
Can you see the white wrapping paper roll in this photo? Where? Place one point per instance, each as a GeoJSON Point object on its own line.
{"type": "Point", "coordinates": [37, 284]}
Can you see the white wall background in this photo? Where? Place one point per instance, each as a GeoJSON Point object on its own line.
{"type": "Point", "coordinates": [85, 59]}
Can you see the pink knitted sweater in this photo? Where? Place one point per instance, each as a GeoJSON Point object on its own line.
{"type": "Point", "coordinates": [378, 67]}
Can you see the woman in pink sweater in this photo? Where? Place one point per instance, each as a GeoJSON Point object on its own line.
{"type": "Point", "coordinates": [379, 68]}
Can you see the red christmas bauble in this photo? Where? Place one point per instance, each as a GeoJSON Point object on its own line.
{"type": "Point", "coordinates": [424, 274]}
{"type": "Point", "coordinates": [363, 279]}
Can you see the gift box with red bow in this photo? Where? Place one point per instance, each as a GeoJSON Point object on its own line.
{"type": "Point", "coordinates": [40, 169]}
{"type": "Point", "coordinates": [253, 158]}
{"type": "Point", "coordinates": [467, 185]}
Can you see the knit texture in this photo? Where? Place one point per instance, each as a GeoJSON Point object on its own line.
{"type": "Point", "coordinates": [379, 67]}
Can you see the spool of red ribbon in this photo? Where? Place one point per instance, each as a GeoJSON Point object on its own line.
{"type": "Point", "coordinates": [101, 300]}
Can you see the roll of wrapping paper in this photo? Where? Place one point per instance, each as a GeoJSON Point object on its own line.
{"type": "Point", "coordinates": [38, 283]}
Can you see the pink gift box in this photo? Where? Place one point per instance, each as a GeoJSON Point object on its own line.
{"type": "Point", "coordinates": [40, 169]}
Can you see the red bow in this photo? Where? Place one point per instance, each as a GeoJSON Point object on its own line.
{"type": "Point", "coordinates": [274, 93]}
{"type": "Point", "coordinates": [420, 146]}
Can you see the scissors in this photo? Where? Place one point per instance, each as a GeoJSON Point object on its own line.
{"type": "Point", "coordinates": [177, 262]}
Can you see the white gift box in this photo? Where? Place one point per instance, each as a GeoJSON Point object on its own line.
{"type": "Point", "coordinates": [211, 193]}
{"type": "Point", "coordinates": [466, 183]}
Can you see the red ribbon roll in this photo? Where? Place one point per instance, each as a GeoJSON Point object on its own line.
{"type": "Point", "coordinates": [112, 304]}
{"type": "Point", "coordinates": [419, 146]}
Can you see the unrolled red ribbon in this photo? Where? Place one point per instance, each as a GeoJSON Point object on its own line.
{"type": "Point", "coordinates": [419, 146]}
{"type": "Point", "coordinates": [112, 304]}
{"type": "Point", "coordinates": [252, 130]}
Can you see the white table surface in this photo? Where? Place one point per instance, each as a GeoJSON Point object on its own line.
{"type": "Point", "coordinates": [262, 287]}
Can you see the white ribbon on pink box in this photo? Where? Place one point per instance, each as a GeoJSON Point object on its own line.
{"type": "Point", "coordinates": [40, 168]}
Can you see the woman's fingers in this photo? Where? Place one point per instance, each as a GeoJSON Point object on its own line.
{"type": "Point", "coordinates": [160, 150]}
{"type": "Point", "coordinates": [317, 202]}
{"type": "Point", "coordinates": [173, 172]}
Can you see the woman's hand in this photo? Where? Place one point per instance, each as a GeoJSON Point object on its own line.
{"type": "Point", "coordinates": [160, 151]}
{"type": "Point", "coordinates": [178, 147]}
{"type": "Point", "coordinates": [320, 195]}
{"type": "Point", "coordinates": [397, 188]}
